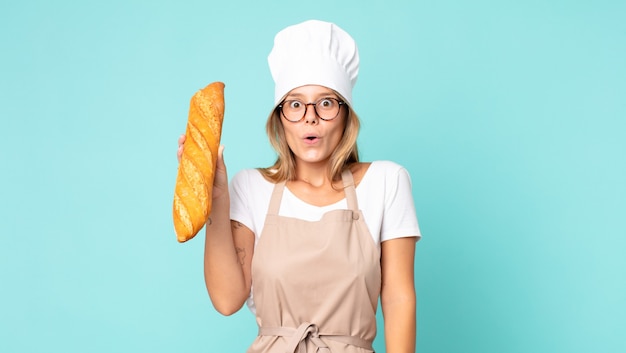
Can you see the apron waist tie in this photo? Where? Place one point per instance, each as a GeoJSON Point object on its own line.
{"type": "Point", "coordinates": [298, 336]}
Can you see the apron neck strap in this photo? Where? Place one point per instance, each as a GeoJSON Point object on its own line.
{"type": "Point", "coordinates": [277, 196]}
{"type": "Point", "coordinates": [348, 188]}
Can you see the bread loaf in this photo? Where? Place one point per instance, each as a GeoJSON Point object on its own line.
{"type": "Point", "coordinates": [196, 170]}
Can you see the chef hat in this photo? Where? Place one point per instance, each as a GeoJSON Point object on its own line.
{"type": "Point", "coordinates": [314, 53]}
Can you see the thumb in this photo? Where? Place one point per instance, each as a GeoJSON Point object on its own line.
{"type": "Point", "coordinates": [220, 157]}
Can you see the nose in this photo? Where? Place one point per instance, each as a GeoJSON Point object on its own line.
{"type": "Point", "coordinates": [310, 115]}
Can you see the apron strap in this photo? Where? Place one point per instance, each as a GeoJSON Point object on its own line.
{"type": "Point", "coordinates": [277, 195]}
{"type": "Point", "coordinates": [350, 190]}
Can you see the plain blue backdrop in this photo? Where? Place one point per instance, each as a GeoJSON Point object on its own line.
{"type": "Point", "coordinates": [509, 115]}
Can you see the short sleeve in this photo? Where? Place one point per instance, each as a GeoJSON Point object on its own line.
{"type": "Point", "coordinates": [399, 217]}
{"type": "Point", "coordinates": [240, 208]}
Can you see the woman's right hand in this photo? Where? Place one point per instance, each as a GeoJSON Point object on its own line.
{"type": "Point", "coordinates": [220, 181]}
{"type": "Point", "coordinates": [181, 144]}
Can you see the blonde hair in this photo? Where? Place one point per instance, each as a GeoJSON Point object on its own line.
{"type": "Point", "coordinates": [344, 155]}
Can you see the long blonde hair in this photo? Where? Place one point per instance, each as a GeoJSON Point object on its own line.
{"type": "Point", "coordinates": [344, 155]}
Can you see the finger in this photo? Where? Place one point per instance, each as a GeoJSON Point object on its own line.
{"type": "Point", "coordinates": [179, 153]}
{"type": "Point", "coordinates": [220, 157]}
{"type": "Point", "coordinates": [181, 139]}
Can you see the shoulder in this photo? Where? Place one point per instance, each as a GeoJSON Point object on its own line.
{"type": "Point", "coordinates": [384, 169]}
{"type": "Point", "coordinates": [249, 190]}
{"type": "Point", "coordinates": [387, 175]}
{"type": "Point", "coordinates": [387, 166]}
{"type": "Point", "coordinates": [379, 168]}
{"type": "Point", "coordinates": [250, 181]}
{"type": "Point", "coordinates": [249, 176]}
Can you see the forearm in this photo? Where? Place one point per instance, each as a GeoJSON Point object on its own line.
{"type": "Point", "coordinates": [400, 326]}
{"type": "Point", "coordinates": [223, 272]}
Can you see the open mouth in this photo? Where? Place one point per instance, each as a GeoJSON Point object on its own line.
{"type": "Point", "coordinates": [311, 139]}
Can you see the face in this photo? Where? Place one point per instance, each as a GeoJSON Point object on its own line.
{"type": "Point", "coordinates": [313, 140]}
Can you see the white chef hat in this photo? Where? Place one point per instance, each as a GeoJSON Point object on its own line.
{"type": "Point", "coordinates": [314, 53]}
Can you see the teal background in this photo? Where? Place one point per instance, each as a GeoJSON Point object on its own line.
{"type": "Point", "coordinates": [509, 115]}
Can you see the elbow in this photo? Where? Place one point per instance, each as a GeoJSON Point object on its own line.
{"type": "Point", "coordinates": [226, 310]}
{"type": "Point", "coordinates": [226, 306]}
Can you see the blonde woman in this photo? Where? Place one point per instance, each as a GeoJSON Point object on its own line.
{"type": "Point", "coordinates": [312, 242]}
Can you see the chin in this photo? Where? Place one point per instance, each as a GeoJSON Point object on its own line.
{"type": "Point", "coordinates": [314, 159]}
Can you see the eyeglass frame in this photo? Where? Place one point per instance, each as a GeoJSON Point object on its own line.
{"type": "Point", "coordinates": [306, 107]}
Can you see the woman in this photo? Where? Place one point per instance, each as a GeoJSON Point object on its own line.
{"type": "Point", "coordinates": [311, 242]}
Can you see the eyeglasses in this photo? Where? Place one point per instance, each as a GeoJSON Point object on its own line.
{"type": "Point", "coordinates": [326, 109]}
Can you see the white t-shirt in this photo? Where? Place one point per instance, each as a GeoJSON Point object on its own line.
{"type": "Point", "coordinates": [384, 196]}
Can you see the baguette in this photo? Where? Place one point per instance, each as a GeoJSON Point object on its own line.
{"type": "Point", "coordinates": [196, 170]}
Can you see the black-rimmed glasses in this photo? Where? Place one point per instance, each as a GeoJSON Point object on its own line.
{"type": "Point", "coordinates": [326, 109]}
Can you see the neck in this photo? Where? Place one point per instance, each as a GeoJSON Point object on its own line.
{"type": "Point", "coordinates": [314, 174]}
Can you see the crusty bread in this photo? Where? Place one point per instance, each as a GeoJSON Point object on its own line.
{"type": "Point", "coordinates": [196, 170]}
